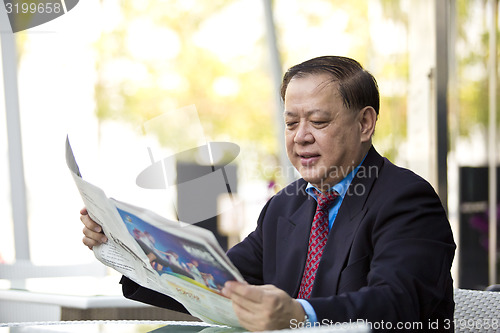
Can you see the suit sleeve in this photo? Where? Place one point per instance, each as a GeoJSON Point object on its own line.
{"type": "Point", "coordinates": [132, 290]}
{"type": "Point", "coordinates": [247, 255]}
{"type": "Point", "coordinates": [409, 272]}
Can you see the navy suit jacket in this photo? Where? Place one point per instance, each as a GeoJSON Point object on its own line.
{"type": "Point", "coordinates": [387, 259]}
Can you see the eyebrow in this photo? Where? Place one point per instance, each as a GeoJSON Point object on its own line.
{"type": "Point", "coordinates": [308, 113]}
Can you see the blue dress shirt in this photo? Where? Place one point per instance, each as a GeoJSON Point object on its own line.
{"type": "Point", "coordinates": [341, 188]}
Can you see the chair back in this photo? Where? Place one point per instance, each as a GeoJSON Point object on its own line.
{"type": "Point", "coordinates": [477, 311]}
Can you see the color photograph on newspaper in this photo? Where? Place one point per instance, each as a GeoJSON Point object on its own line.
{"type": "Point", "coordinates": [177, 256]}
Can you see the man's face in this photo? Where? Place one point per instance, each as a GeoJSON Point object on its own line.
{"type": "Point", "coordinates": [323, 138]}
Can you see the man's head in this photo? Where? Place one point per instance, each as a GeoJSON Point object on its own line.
{"type": "Point", "coordinates": [331, 107]}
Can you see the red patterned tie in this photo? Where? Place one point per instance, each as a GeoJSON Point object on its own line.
{"type": "Point", "coordinates": [317, 241]}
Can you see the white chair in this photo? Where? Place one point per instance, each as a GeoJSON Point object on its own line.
{"type": "Point", "coordinates": [477, 311]}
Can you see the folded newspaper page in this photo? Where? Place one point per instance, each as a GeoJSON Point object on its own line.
{"type": "Point", "coordinates": [183, 262]}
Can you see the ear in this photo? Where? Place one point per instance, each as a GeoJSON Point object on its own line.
{"type": "Point", "coordinates": [367, 120]}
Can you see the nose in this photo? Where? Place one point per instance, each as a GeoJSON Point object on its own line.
{"type": "Point", "coordinates": [303, 134]}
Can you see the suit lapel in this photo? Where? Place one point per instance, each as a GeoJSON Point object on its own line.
{"type": "Point", "coordinates": [344, 228]}
{"type": "Point", "coordinates": [292, 242]}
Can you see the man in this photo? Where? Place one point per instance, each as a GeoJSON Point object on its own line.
{"type": "Point", "coordinates": [386, 254]}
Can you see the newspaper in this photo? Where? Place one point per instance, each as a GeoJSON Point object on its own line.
{"type": "Point", "coordinates": [183, 262]}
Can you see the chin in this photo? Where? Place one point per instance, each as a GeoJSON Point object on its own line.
{"type": "Point", "coordinates": [313, 179]}
{"type": "Point", "coordinates": [316, 180]}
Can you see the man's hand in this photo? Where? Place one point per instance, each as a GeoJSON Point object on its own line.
{"type": "Point", "coordinates": [92, 231]}
{"type": "Point", "coordinates": [261, 308]}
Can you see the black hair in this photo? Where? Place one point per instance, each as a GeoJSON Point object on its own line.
{"type": "Point", "coordinates": [357, 87]}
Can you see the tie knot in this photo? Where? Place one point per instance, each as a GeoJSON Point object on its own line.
{"type": "Point", "coordinates": [325, 199]}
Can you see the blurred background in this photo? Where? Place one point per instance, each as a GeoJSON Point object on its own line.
{"type": "Point", "coordinates": [106, 68]}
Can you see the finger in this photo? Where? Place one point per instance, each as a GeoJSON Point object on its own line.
{"type": "Point", "coordinates": [83, 211]}
{"type": "Point", "coordinates": [244, 290]}
{"type": "Point", "coordinates": [90, 243]}
{"type": "Point", "coordinates": [229, 285]}
{"type": "Point", "coordinates": [97, 237]}
{"type": "Point", "coordinates": [90, 224]}
{"type": "Point", "coordinates": [251, 299]}
{"type": "Point", "coordinates": [246, 318]}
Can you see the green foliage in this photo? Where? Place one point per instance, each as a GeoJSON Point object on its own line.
{"type": "Point", "coordinates": [235, 99]}
{"type": "Point", "coordinates": [472, 65]}
{"type": "Point", "coordinates": [233, 103]}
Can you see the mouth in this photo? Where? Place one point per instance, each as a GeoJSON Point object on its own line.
{"type": "Point", "coordinates": [307, 159]}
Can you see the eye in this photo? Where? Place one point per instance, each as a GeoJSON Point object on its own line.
{"type": "Point", "coordinates": [290, 124]}
{"type": "Point", "coordinates": [319, 123]}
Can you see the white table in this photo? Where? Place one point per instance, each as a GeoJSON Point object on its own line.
{"type": "Point", "coordinates": [36, 305]}
{"type": "Point", "coordinates": [155, 327]}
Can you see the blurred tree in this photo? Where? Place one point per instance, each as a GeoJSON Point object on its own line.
{"type": "Point", "coordinates": [472, 64]}
{"type": "Point", "coordinates": [155, 56]}
{"type": "Point", "coordinates": [150, 61]}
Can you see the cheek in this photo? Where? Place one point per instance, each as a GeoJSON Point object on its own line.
{"type": "Point", "coordinates": [332, 144]}
{"type": "Point", "coordinates": [289, 136]}
{"type": "Point", "coordinates": [326, 139]}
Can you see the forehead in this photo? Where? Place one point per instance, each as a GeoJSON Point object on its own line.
{"type": "Point", "coordinates": [307, 113]}
{"type": "Point", "coordinates": [312, 93]}
{"type": "Point", "coordinates": [313, 83]}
